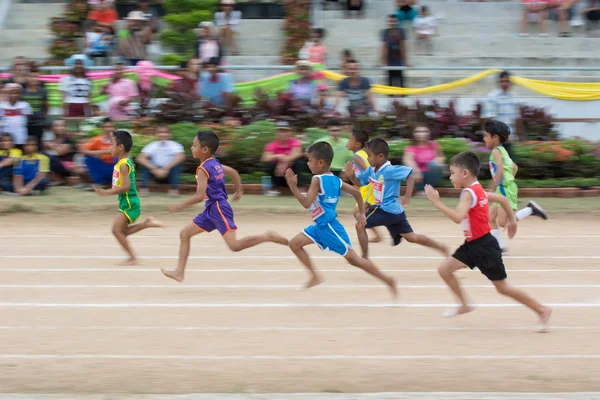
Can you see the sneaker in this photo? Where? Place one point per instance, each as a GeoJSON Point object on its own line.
{"type": "Point", "coordinates": [537, 210]}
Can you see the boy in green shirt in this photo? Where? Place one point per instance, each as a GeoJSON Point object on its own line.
{"type": "Point", "coordinates": [341, 155]}
{"type": "Point", "coordinates": [123, 184]}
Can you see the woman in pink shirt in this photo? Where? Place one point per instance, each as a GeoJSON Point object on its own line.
{"type": "Point", "coordinates": [425, 157]}
{"type": "Point", "coordinates": [317, 53]}
{"type": "Point", "coordinates": [121, 92]}
{"type": "Point", "coordinates": [280, 155]}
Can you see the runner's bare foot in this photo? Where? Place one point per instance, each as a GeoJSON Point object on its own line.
{"type": "Point", "coordinates": [129, 262]}
{"type": "Point", "coordinates": [545, 317]}
{"type": "Point", "coordinates": [459, 311]}
{"type": "Point", "coordinates": [278, 238]}
{"type": "Point", "coordinates": [393, 288]}
{"type": "Point", "coordinates": [153, 223]}
{"type": "Point", "coordinates": [175, 275]}
{"type": "Point", "coordinates": [313, 282]}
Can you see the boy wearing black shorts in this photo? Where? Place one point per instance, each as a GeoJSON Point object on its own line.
{"type": "Point", "coordinates": [480, 248]}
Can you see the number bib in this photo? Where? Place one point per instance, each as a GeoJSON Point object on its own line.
{"type": "Point", "coordinates": [377, 190]}
{"type": "Point", "coordinates": [116, 178]}
{"type": "Point", "coordinates": [316, 210]}
{"type": "Point", "coordinates": [466, 226]}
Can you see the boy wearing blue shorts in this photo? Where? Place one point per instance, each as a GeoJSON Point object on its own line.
{"type": "Point", "coordinates": [387, 211]}
{"type": "Point", "coordinates": [327, 232]}
{"type": "Point", "coordinates": [218, 214]}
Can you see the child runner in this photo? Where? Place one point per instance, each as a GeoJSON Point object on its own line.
{"type": "Point", "coordinates": [387, 210]}
{"type": "Point", "coordinates": [327, 232]}
{"type": "Point", "coordinates": [356, 144]}
{"type": "Point", "coordinates": [123, 184]}
{"type": "Point", "coordinates": [480, 249]}
{"type": "Point", "coordinates": [503, 171]}
{"type": "Point", "coordinates": [217, 214]}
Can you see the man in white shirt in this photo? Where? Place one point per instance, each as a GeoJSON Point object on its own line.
{"type": "Point", "coordinates": [14, 115]}
{"type": "Point", "coordinates": [162, 159]}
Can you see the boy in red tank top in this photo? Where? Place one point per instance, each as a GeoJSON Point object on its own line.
{"type": "Point", "coordinates": [480, 248]}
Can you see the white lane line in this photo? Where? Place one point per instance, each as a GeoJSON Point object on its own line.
{"type": "Point", "coordinates": [39, 236]}
{"type": "Point", "coordinates": [286, 328]}
{"type": "Point", "coordinates": [249, 270]}
{"type": "Point", "coordinates": [277, 305]}
{"type": "Point", "coordinates": [300, 357]}
{"type": "Point", "coordinates": [271, 257]}
{"type": "Point", "coordinates": [276, 287]}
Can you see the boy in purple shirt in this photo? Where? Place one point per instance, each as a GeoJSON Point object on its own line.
{"type": "Point", "coordinates": [218, 214]}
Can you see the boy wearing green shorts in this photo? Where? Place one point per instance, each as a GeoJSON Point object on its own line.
{"type": "Point", "coordinates": [503, 170]}
{"type": "Point", "coordinates": [123, 185]}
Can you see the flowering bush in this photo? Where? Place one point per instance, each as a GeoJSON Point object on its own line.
{"type": "Point", "coordinates": [297, 27]}
{"type": "Point", "coordinates": [65, 29]}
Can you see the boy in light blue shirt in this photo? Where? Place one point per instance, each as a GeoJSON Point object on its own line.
{"type": "Point", "coordinates": [387, 211]}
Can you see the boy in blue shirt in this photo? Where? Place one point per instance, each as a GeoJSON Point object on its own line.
{"type": "Point", "coordinates": [387, 211]}
{"type": "Point", "coordinates": [30, 171]}
{"type": "Point", "coordinates": [327, 232]}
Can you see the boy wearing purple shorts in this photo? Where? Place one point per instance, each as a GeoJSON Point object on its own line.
{"type": "Point", "coordinates": [217, 214]}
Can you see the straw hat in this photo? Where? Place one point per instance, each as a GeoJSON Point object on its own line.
{"type": "Point", "coordinates": [206, 24]}
{"type": "Point", "coordinates": [304, 63]}
{"type": "Point", "coordinates": [228, 2]}
{"type": "Point", "coordinates": [136, 16]}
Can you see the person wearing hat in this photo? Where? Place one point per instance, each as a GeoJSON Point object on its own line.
{"type": "Point", "coordinates": [303, 89]}
{"type": "Point", "coordinates": [134, 39]}
{"type": "Point", "coordinates": [208, 44]}
{"type": "Point", "coordinates": [228, 23]}
{"type": "Point", "coordinates": [283, 153]}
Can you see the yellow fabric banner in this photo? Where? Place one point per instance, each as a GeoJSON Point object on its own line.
{"type": "Point", "coordinates": [572, 91]}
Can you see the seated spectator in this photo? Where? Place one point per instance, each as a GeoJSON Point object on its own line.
{"type": "Point", "coordinates": [425, 27]}
{"type": "Point", "coordinates": [592, 14]}
{"type": "Point", "coordinates": [405, 13]}
{"type": "Point", "coordinates": [76, 89]}
{"type": "Point", "coordinates": [317, 53]}
{"type": "Point", "coordinates": [15, 114]}
{"type": "Point", "coordinates": [228, 24]}
{"type": "Point", "coordinates": [121, 93]}
{"type": "Point", "coordinates": [304, 89]}
{"type": "Point", "coordinates": [104, 16]}
{"type": "Point", "coordinates": [60, 149]}
{"type": "Point", "coordinates": [30, 171]}
{"type": "Point", "coordinates": [425, 157]}
{"type": "Point", "coordinates": [215, 87]}
{"type": "Point", "coordinates": [355, 5]}
{"type": "Point", "coordinates": [280, 155]}
{"type": "Point", "coordinates": [134, 39]}
{"type": "Point", "coordinates": [208, 46]}
{"type": "Point", "coordinates": [35, 95]}
{"type": "Point", "coordinates": [346, 58]}
{"type": "Point", "coordinates": [562, 11]}
{"type": "Point", "coordinates": [98, 159]}
{"type": "Point", "coordinates": [189, 79]}
{"type": "Point", "coordinates": [162, 161]}
{"type": "Point", "coordinates": [324, 103]}
{"type": "Point", "coordinates": [341, 155]}
{"type": "Point", "coordinates": [357, 89]}
{"type": "Point", "coordinates": [9, 155]}
{"type": "Point", "coordinates": [99, 40]}
{"type": "Point", "coordinates": [538, 9]}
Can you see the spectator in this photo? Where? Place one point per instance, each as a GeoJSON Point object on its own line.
{"type": "Point", "coordinates": [99, 40]}
{"type": "Point", "coordinates": [76, 89]}
{"type": "Point", "coordinates": [304, 89]}
{"type": "Point", "coordinates": [209, 46]}
{"type": "Point", "coordinates": [280, 155]}
{"type": "Point", "coordinates": [60, 149]}
{"type": "Point", "coordinates": [393, 51]}
{"type": "Point", "coordinates": [317, 53]}
{"type": "Point", "coordinates": [189, 79]}
{"type": "Point", "coordinates": [502, 105]}
{"type": "Point", "coordinates": [425, 157]}
{"type": "Point", "coordinates": [425, 28]}
{"type": "Point", "coordinates": [29, 175]}
{"type": "Point", "coordinates": [152, 17]}
{"type": "Point", "coordinates": [357, 90]}
{"type": "Point", "coordinates": [122, 92]}
{"type": "Point", "coordinates": [405, 12]}
{"type": "Point", "coordinates": [104, 16]}
{"type": "Point", "coordinates": [592, 14]}
{"type": "Point", "coordinates": [20, 72]}
{"type": "Point", "coordinates": [562, 11]}
{"type": "Point", "coordinates": [15, 114]}
{"type": "Point", "coordinates": [324, 103]}
{"type": "Point", "coordinates": [216, 87]}
{"type": "Point", "coordinates": [537, 8]}
{"type": "Point", "coordinates": [9, 155]}
{"type": "Point", "coordinates": [98, 159]}
{"type": "Point", "coordinates": [228, 23]}
{"type": "Point", "coordinates": [341, 155]}
{"type": "Point", "coordinates": [346, 58]}
{"type": "Point", "coordinates": [162, 159]}
{"type": "Point", "coordinates": [134, 39]}
{"type": "Point", "coordinates": [35, 95]}
{"type": "Point", "coordinates": [355, 5]}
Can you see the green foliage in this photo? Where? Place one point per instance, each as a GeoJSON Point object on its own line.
{"type": "Point", "coordinates": [184, 133]}
{"type": "Point", "coordinates": [172, 59]}
{"type": "Point", "coordinates": [246, 148]}
{"type": "Point", "coordinates": [184, 6]}
{"type": "Point", "coordinates": [189, 20]}
{"type": "Point", "coordinates": [139, 142]}
{"type": "Point", "coordinates": [183, 16]}
{"type": "Point", "coordinates": [173, 38]}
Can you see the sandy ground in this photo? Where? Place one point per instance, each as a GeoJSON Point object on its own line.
{"type": "Point", "coordinates": [71, 321]}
